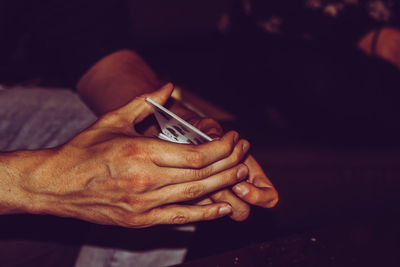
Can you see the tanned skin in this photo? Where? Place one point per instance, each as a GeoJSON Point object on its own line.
{"type": "Point", "coordinates": [112, 174]}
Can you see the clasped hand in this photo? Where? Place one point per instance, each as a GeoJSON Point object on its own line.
{"type": "Point", "coordinates": [111, 174]}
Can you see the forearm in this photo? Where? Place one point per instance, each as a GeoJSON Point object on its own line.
{"type": "Point", "coordinates": [118, 78]}
{"type": "Point", "coordinates": [115, 80]}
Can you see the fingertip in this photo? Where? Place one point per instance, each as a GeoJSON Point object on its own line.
{"type": "Point", "coordinates": [161, 95]}
{"type": "Point", "coordinates": [225, 210]}
{"type": "Point", "coordinates": [241, 189]}
{"type": "Point", "coordinates": [242, 171]}
{"type": "Point", "coordinates": [233, 136]}
{"type": "Point", "coordinates": [245, 146]}
{"type": "Point", "coordinates": [169, 86]}
{"type": "Point", "coordinates": [274, 201]}
{"type": "Point", "coordinates": [240, 216]}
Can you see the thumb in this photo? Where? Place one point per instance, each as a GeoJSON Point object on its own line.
{"type": "Point", "coordinates": [138, 109]}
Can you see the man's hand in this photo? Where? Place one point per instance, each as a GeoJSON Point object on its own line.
{"type": "Point", "coordinates": [123, 75]}
{"type": "Point", "coordinates": [110, 174]}
{"type": "Point", "coordinates": [257, 190]}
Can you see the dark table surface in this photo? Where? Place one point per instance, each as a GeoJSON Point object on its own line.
{"type": "Point", "coordinates": [355, 243]}
{"type": "Point", "coordinates": [338, 207]}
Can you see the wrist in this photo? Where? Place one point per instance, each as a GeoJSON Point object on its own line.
{"type": "Point", "coordinates": [16, 172]}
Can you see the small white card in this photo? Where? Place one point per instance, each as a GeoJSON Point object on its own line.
{"type": "Point", "coordinates": [175, 129]}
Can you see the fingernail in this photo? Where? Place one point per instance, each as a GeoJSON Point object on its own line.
{"type": "Point", "coordinates": [225, 210]}
{"type": "Point", "coordinates": [240, 190]}
{"type": "Point", "coordinates": [242, 172]}
{"type": "Point", "coordinates": [245, 146]}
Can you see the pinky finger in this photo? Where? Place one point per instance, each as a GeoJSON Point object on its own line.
{"type": "Point", "coordinates": [180, 214]}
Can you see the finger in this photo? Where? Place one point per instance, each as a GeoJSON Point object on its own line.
{"type": "Point", "coordinates": [204, 201]}
{"type": "Point", "coordinates": [201, 201]}
{"type": "Point", "coordinates": [194, 190]}
{"type": "Point", "coordinates": [240, 210]}
{"type": "Point", "coordinates": [167, 154]}
{"type": "Point", "coordinates": [179, 214]}
{"type": "Point", "coordinates": [179, 175]}
{"type": "Point", "coordinates": [138, 109]}
{"type": "Point", "coordinates": [155, 177]}
{"type": "Point", "coordinates": [264, 196]}
{"type": "Point", "coordinates": [259, 190]}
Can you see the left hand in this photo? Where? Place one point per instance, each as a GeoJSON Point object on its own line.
{"type": "Point", "coordinates": [257, 190]}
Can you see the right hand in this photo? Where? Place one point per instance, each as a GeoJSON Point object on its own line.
{"type": "Point", "coordinates": [256, 190]}
{"type": "Point", "coordinates": [110, 174]}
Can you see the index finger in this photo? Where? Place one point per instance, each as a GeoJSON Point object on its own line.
{"type": "Point", "coordinates": [193, 156]}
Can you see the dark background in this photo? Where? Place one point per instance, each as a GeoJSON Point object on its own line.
{"type": "Point", "coordinates": [322, 117]}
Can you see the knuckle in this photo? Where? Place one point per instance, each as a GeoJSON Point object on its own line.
{"type": "Point", "coordinates": [138, 220]}
{"type": "Point", "coordinates": [137, 204]}
{"type": "Point", "coordinates": [146, 219]}
{"type": "Point", "coordinates": [123, 218]}
{"type": "Point", "coordinates": [179, 219]}
{"type": "Point", "coordinates": [134, 221]}
{"type": "Point", "coordinates": [199, 174]}
{"type": "Point", "coordinates": [129, 148]}
{"type": "Point", "coordinates": [193, 191]}
{"type": "Point", "coordinates": [129, 204]}
{"type": "Point", "coordinates": [142, 184]}
{"type": "Point", "coordinates": [196, 159]}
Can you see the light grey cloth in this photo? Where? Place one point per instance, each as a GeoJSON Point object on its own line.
{"type": "Point", "coordinates": [35, 118]}
{"type": "Point", "coordinates": [106, 257]}
{"type": "Point", "coordinates": [155, 247]}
